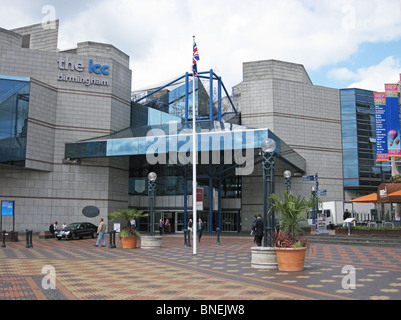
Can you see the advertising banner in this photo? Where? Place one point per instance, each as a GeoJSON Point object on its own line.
{"type": "Point", "coordinates": [199, 199]}
{"type": "Point", "coordinates": [7, 208]}
{"type": "Point", "coordinates": [381, 128]}
{"type": "Point", "coordinates": [393, 120]}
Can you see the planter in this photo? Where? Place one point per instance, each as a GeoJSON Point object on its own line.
{"type": "Point", "coordinates": [129, 243]}
{"type": "Point", "coordinates": [290, 259]}
{"type": "Point", "coordinates": [151, 242]}
{"type": "Point", "coordinates": [341, 231]}
{"type": "Point", "coordinates": [263, 258]}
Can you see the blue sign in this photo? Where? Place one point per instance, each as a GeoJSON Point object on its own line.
{"type": "Point", "coordinates": [7, 208]}
{"type": "Point", "coordinates": [309, 178]}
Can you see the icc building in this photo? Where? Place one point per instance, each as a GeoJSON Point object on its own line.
{"type": "Point", "coordinates": [73, 136]}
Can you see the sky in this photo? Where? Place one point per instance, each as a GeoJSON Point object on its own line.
{"type": "Point", "coordinates": [341, 43]}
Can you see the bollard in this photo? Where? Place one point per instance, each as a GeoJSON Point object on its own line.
{"type": "Point", "coordinates": [29, 238]}
{"type": "Point", "coordinates": [185, 238]}
{"type": "Point", "coordinates": [218, 236]}
{"type": "Point", "coordinates": [4, 239]}
{"type": "Point", "coordinates": [189, 238]}
{"type": "Point", "coordinates": [112, 239]}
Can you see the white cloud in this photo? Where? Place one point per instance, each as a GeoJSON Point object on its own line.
{"type": "Point", "coordinates": [374, 77]}
{"type": "Point", "coordinates": [157, 34]}
{"type": "Point", "coordinates": [371, 78]}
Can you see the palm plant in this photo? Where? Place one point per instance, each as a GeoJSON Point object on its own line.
{"type": "Point", "coordinates": [291, 211]}
{"type": "Point", "coordinates": [126, 216]}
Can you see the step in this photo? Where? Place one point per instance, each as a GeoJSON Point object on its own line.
{"type": "Point", "coordinates": [355, 240]}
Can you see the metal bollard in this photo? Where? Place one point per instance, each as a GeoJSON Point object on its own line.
{"type": "Point", "coordinates": [112, 239]}
{"type": "Point", "coordinates": [185, 238]}
{"type": "Point", "coordinates": [218, 236]}
{"type": "Point", "coordinates": [4, 239]}
{"type": "Point", "coordinates": [189, 238]}
{"type": "Point", "coordinates": [29, 238]}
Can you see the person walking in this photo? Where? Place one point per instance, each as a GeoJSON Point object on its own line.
{"type": "Point", "coordinates": [253, 228]}
{"type": "Point", "coordinates": [190, 224]}
{"type": "Point", "coordinates": [258, 229]}
{"type": "Point", "coordinates": [101, 230]}
{"type": "Point", "coordinates": [199, 228]}
{"type": "Point", "coordinates": [161, 227]}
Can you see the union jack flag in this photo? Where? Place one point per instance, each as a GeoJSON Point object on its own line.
{"type": "Point", "coordinates": [195, 59]}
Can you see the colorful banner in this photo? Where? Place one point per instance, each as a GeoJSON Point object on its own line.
{"type": "Point", "coordinates": [381, 129]}
{"type": "Point", "coordinates": [393, 120]}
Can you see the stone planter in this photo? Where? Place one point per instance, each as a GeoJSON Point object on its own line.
{"type": "Point", "coordinates": [291, 259]}
{"type": "Point", "coordinates": [263, 258]}
{"type": "Point", "coordinates": [149, 242]}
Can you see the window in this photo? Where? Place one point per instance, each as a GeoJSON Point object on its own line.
{"type": "Point", "coordinates": [14, 106]}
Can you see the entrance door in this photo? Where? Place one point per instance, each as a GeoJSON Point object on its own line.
{"type": "Point", "coordinates": [179, 222]}
{"type": "Point", "coordinates": [230, 222]}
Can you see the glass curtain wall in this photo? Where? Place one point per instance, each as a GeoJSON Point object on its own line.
{"type": "Point", "coordinates": [359, 141]}
{"type": "Point", "coordinates": [14, 107]}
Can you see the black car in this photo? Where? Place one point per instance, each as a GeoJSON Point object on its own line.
{"type": "Point", "coordinates": [78, 230]}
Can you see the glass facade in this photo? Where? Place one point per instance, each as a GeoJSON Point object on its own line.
{"type": "Point", "coordinates": [359, 141]}
{"type": "Point", "coordinates": [161, 125]}
{"type": "Point", "coordinates": [14, 107]}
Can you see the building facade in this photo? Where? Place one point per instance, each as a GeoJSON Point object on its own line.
{"type": "Point", "coordinates": [49, 98]}
{"type": "Point", "coordinates": [72, 136]}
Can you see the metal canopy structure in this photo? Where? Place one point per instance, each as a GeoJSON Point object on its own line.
{"type": "Point", "coordinates": [161, 132]}
{"type": "Point", "coordinates": [161, 123]}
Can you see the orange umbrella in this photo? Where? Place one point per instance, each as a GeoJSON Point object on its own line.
{"type": "Point", "coordinates": [366, 199]}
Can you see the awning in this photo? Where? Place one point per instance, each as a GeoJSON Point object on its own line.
{"type": "Point", "coordinates": [385, 193]}
{"type": "Point", "coordinates": [370, 198]}
{"type": "Point", "coordinates": [395, 194]}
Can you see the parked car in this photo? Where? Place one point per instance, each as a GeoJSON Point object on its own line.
{"type": "Point", "coordinates": [78, 230]}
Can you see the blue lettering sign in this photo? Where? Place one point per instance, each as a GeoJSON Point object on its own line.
{"type": "Point", "coordinates": [97, 68]}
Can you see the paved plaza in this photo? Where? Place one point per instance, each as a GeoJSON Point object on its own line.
{"type": "Point", "coordinates": [217, 272]}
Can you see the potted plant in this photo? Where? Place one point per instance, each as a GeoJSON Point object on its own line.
{"type": "Point", "coordinates": [290, 249]}
{"type": "Point", "coordinates": [128, 234]}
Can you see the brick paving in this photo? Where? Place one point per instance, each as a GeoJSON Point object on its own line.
{"type": "Point", "coordinates": [217, 272]}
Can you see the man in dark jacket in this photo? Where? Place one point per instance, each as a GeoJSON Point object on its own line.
{"type": "Point", "coordinates": [258, 229]}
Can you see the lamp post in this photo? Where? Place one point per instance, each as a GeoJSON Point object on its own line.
{"type": "Point", "coordinates": [268, 152]}
{"type": "Point", "coordinates": [287, 180]}
{"type": "Point", "coordinates": [152, 177]}
{"type": "Point", "coordinates": [314, 212]}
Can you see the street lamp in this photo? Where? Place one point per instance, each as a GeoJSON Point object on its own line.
{"type": "Point", "coordinates": [268, 147]}
{"type": "Point", "coordinates": [287, 180]}
{"type": "Point", "coordinates": [152, 177]}
{"type": "Point", "coordinates": [314, 212]}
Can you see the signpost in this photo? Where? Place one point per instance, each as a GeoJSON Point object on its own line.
{"type": "Point", "coordinates": [7, 210]}
{"type": "Point", "coordinates": [318, 219]}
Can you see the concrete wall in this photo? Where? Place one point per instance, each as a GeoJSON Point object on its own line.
{"type": "Point", "coordinates": [280, 96]}
{"type": "Point", "coordinates": [50, 188]}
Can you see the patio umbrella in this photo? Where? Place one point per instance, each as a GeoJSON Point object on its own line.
{"type": "Point", "coordinates": [370, 198]}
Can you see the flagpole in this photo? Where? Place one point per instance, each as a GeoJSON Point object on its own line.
{"type": "Point", "coordinates": [194, 154]}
